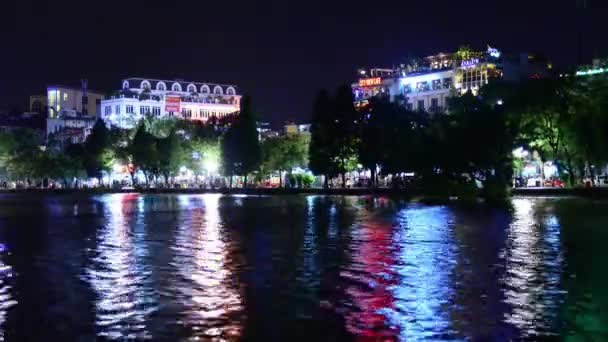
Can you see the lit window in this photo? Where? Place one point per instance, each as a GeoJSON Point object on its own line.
{"type": "Point", "coordinates": [65, 96]}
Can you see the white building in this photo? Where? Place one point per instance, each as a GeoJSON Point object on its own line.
{"type": "Point", "coordinates": [71, 112]}
{"type": "Point", "coordinates": [168, 98]}
{"type": "Point", "coordinates": [427, 84]}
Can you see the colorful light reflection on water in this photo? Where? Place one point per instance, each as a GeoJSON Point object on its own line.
{"type": "Point", "coordinates": [188, 267]}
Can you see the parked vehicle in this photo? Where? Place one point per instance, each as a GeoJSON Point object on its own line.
{"type": "Point", "coordinates": [533, 182]}
{"type": "Point", "coordinates": [554, 183]}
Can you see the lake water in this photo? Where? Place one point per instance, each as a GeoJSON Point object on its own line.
{"type": "Point", "coordinates": [280, 268]}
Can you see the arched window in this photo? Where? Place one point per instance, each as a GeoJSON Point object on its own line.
{"type": "Point", "coordinates": [191, 88]}
{"type": "Point", "coordinates": [205, 89]}
{"type": "Point", "coordinates": [217, 90]}
{"type": "Point", "coordinates": [230, 91]}
{"type": "Point", "coordinates": [125, 85]}
{"type": "Point", "coordinates": [176, 87]}
{"type": "Point", "coordinates": [161, 86]}
{"type": "Point", "coordinates": [145, 84]}
{"type": "Point", "coordinates": [37, 106]}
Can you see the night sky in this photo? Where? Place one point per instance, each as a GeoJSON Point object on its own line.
{"type": "Point", "coordinates": [281, 53]}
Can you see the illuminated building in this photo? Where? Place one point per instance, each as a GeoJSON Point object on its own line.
{"type": "Point", "coordinates": [426, 84]}
{"type": "Point", "coordinates": [71, 112]}
{"type": "Point", "coordinates": [167, 98]}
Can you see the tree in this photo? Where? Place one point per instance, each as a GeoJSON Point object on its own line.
{"type": "Point", "coordinates": [7, 146]}
{"type": "Point", "coordinates": [240, 146]}
{"type": "Point", "coordinates": [98, 157]}
{"type": "Point", "coordinates": [345, 141]}
{"type": "Point", "coordinates": [144, 153]}
{"type": "Point", "coordinates": [284, 153]}
{"type": "Point", "coordinates": [170, 155]}
{"type": "Point", "coordinates": [320, 150]}
{"type": "Point", "coordinates": [587, 132]}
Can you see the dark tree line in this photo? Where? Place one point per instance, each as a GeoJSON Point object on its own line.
{"type": "Point", "coordinates": [468, 149]}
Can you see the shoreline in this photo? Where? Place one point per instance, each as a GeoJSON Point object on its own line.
{"type": "Point", "coordinates": [598, 193]}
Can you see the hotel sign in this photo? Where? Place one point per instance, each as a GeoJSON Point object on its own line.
{"type": "Point", "coordinates": [469, 63]}
{"type": "Point", "coordinates": [366, 82]}
{"type": "Point", "coordinates": [172, 104]}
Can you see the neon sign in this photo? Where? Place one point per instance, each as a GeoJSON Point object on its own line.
{"type": "Point", "coordinates": [591, 72]}
{"type": "Point", "coordinates": [365, 82]}
{"type": "Point", "coordinates": [493, 52]}
{"type": "Point", "coordinates": [469, 63]}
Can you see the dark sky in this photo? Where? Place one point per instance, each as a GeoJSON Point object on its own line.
{"type": "Point", "coordinates": [280, 52]}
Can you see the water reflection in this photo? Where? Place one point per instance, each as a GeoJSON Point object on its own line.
{"type": "Point", "coordinates": [205, 287]}
{"type": "Point", "coordinates": [7, 297]}
{"type": "Point", "coordinates": [118, 273]}
{"type": "Point", "coordinates": [369, 299]}
{"type": "Point", "coordinates": [533, 269]}
{"type": "Point", "coordinates": [212, 267]}
{"type": "Point", "coordinates": [425, 255]}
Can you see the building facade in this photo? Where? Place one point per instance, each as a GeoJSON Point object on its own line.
{"type": "Point", "coordinates": [168, 98]}
{"type": "Point", "coordinates": [426, 84]}
{"type": "Point", "coordinates": [71, 112]}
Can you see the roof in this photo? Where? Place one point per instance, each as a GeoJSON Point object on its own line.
{"type": "Point", "coordinates": [184, 84]}
{"type": "Point", "coordinates": [60, 86]}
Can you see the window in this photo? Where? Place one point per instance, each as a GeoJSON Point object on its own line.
{"type": "Point", "coordinates": [217, 90]}
{"type": "Point", "coordinates": [129, 109]}
{"type": "Point", "coordinates": [409, 106]}
{"type": "Point", "coordinates": [156, 111]}
{"type": "Point", "coordinates": [434, 104]}
{"type": "Point", "coordinates": [117, 109]}
{"type": "Point", "coordinates": [125, 85]}
{"type": "Point", "coordinates": [37, 106]}
{"type": "Point", "coordinates": [205, 89]}
{"type": "Point", "coordinates": [145, 85]}
{"type": "Point", "coordinates": [186, 112]}
{"type": "Point", "coordinates": [144, 110]}
{"type": "Point", "coordinates": [436, 84]}
{"type": "Point", "coordinates": [447, 83]}
{"type": "Point", "coordinates": [420, 105]}
{"type": "Point", "coordinates": [107, 110]}
{"type": "Point", "coordinates": [230, 91]}
{"type": "Point", "coordinates": [65, 96]}
{"type": "Point", "coordinates": [160, 86]}
{"type": "Point", "coordinates": [191, 88]}
{"type": "Point", "coordinates": [176, 87]}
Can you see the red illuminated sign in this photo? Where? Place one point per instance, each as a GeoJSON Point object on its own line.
{"type": "Point", "coordinates": [366, 82]}
{"type": "Point", "coordinates": [172, 104]}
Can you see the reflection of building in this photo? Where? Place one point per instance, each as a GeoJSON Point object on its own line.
{"type": "Point", "coordinates": [71, 112]}
{"type": "Point", "coordinates": [426, 84]}
{"type": "Point", "coordinates": [164, 98]}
